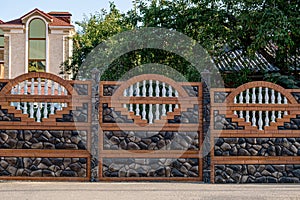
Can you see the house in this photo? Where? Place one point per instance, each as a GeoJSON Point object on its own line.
{"type": "Point", "coordinates": [37, 41]}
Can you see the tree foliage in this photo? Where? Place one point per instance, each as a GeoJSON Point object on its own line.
{"type": "Point", "coordinates": [247, 25]}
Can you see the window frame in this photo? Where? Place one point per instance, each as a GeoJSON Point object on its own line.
{"type": "Point", "coordinates": [29, 60]}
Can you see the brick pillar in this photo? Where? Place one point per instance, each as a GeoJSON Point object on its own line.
{"type": "Point", "coordinates": [206, 80]}
{"type": "Point", "coordinates": [95, 125]}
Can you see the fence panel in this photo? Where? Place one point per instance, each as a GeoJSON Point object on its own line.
{"type": "Point", "coordinates": [44, 128]}
{"type": "Point", "coordinates": [256, 134]}
{"type": "Point", "coordinates": [151, 129]}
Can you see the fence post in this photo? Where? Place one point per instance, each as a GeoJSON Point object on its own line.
{"type": "Point", "coordinates": [95, 124]}
{"type": "Point", "coordinates": [206, 80]}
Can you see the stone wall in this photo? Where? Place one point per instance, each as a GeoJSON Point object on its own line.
{"type": "Point", "coordinates": [257, 173]}
{"type": "Point", "coordinates": [43, 139]}
{"type": "Point", "coordinates": [160, 167]}
{"type": "Point", "coordinates": [257, 147]}
{"type": "Point", "coordinates": [166, 140]}
{"type": "Point", "coordinates": [43, 167]}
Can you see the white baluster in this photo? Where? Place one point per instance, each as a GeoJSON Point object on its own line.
{"type": "Point", "coordinates": [260, 95]}
{"type": "Point", "coordinates": [273, 116]}
{"type": "Point", "coordinates": [260, 121]}
{"type": "Point", "coordinates": [38, 113]}
{"type": "Point", "coordinates": [59, 89]}
{"type": "Point", "coordinates": [253, 95]}
{"type": "Point", "coordinates": [32, 86]}
{"type": "Point", "coordinates": [52, 88]}
{"type": "Point", "coordinates": [241, 114]}
{"type": "Point", "coordinates": [266, 96]}
{"type": "Point", "coordinates": [163, 91]}
{"type": "Point", "coordinates": [279, 115]}
{"type": "Point", "coordinates": [31, 110]}
{"type": "Point", "coordinates": [131, 107]}
{"type": "Point", "coordinates": [272, 96]}
{"type": "Point", "coordinates": [170, 95]}
{"type": "Point", "coordinates": [137, 89]}
{"type": "Point", "coordinates": [25, 108]}
{"type": "Point", "coordinates": [279, 99]}
{"type": "Point", "coordinates": [150, 88]}
{"type": "Point", "coordinates": [170, 91]}
{"type": "Point", "coordinates": [157, 112]}
{"type": "Point", "coordinates": [12, 92]}
{"type": "Point", "coordinates": [176, 95]}
{"type": "Point", "coordinates": [267, 121]}
{"type": "Point", "coordinates": [52, 109]}
{"type": "Point", "coordinates": [45, 110]}
{"type": "Point", "coordinates": [26, 87]}
{"type": "Point", "coordinates": [163, 110]}
{"type": "Point", "coordinates": [247, 96]}
{"type": "Point", "coordinates": [65, 91]}
{"type": "Point", "coordinates": [25, 92]}
{"type": "Point", "coordinates": [144, 112]}
{"type": "Point", "coordinates": [157, 89]}
{"type": "Point", "coordinates": [150, 114]}
{"type": "Point", "coordinates": [39, 86]}
{"type": "Point", "coordinates": [241, 98]}
{"type": "Point", "coordinates": [137, 110]}
{"type": "Point", "coordinates": [125, 94]}
{"type": "Point", "coordinates": [19, 92]}
{"type": "Point", "coordinates": [253, 118]}
{"type": "Point", "coordinates": [235, 101]}
{"type": "Point", "coordinates": [46, 87]}
{"type": "Point", "coordinates": [285, 101]}
{"type": "Point", "coordinates": [144, 88]}
{"type": "Point", "coordinates": [130, 95]}
{"type": "Point", "coordinates": [247, 116]}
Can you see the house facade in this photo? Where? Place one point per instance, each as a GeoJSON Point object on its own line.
{"type": "Point", "coordinates": [35, 42]}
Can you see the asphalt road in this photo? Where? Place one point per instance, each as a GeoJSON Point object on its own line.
{"type": "Point", "coordinates": [143, 191]}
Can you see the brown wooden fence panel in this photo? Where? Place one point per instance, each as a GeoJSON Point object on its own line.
{"type": "Point", "coordinates": [150, 129]}
{"type": "Point", "coordinates": [44, 128]}
{"type": "Point", "coordinates": [255, 132]}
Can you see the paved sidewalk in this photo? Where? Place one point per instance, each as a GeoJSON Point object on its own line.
{"type": "Point", "coordinates": [143, 191]}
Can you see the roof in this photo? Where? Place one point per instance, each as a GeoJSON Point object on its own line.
{"type": "Point", "coordinates": [53, 21]}
{"type": "Point", "coordinates": [235, 60]}
{"type": "Point", "coordinates": [1, 22]}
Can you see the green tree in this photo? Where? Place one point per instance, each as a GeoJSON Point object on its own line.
{"type": "Point", "coordinates": [251, 26]}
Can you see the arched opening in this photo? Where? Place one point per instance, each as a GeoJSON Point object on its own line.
{"type": "Point", "coordinates": [37, 46]}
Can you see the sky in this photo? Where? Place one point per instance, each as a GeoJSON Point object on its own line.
{"type": "Point", "coordinates": [13, 9]}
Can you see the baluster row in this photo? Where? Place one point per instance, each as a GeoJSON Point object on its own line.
{"type": "Point", "coordinates": [28, 87]}
{"type": "Point", "coordinates": [262, 95]}
{"type": "Point", "coordinates": [150, 88]}
{"type": "Point", "coordinates": [261, 118]}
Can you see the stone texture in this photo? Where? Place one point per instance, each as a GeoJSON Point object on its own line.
{"type": "Point", "coordinates": [257, 174]}
{"type": "Point", "coordinates": [118, 167]}
{"type": "Point", "coordinates": [256, 147]}
{"type": "Point", "coordinates": [42, 167]}
{"type": "Point", "coordinates": [130, 140]}
{"type": "Point", "coordinates": [37, 139]}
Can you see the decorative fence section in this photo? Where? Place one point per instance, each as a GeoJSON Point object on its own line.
{"type": "Point", "coordinates": [150, 129]}
{"type": "Point", "coordinates": [255, 132]}
{"type": "Point", "coordinates": [44, 128]}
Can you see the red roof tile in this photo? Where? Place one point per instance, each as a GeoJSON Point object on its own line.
{"type": "Point", "coordinates": [54, 20]}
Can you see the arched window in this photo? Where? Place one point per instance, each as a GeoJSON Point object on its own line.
{"type": "Point", "coordinates": [37, 46]}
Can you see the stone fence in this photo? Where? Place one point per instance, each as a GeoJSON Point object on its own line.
{"type": "Point", "coordinates": [148, 128]}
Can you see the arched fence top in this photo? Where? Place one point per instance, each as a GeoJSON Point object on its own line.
{"type": "Point", "coordinates": [33, 77]}
{"type": "Point", "coordinates": [260, 92]}
{"type": "Point", "coordinates": [159, 86]}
